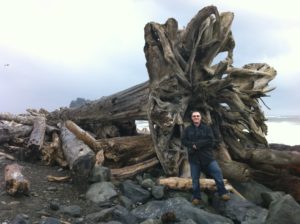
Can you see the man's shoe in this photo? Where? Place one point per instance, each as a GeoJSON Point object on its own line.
{"type": "Point", "coordinates": [196, 201]}
{"type": "Point", "coordinates": [225, 197]}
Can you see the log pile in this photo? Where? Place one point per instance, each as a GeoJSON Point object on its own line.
{"type": "Point", "coordinates": [184, 75]}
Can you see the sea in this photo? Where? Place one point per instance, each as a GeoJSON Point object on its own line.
{"type": "Point", "coordinates": [281, 129]}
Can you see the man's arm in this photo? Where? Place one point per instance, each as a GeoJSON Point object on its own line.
{"type": "Point", "coordinates": [186, 142]}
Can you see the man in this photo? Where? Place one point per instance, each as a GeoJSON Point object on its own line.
{"type": "Point", "coordinates": [199, 140]}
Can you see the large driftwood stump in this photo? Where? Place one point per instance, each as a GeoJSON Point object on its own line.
{"type": "Point", "coordinates": [183, 78]}
{"type": "Point", "coordinates": [15, 181]}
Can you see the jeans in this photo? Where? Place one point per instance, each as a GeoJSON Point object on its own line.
{"type": "Point", "coordinates": [213, 170]}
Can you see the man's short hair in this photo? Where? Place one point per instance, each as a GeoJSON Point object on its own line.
{"type": "Point", "coordinates": [195, 111]}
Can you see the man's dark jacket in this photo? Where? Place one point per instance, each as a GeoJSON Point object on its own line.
{"type": "Point", "coordinates": [202, 136]}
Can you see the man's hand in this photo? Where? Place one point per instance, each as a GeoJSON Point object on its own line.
{"type": "Point", "coordinates": [194, 147]}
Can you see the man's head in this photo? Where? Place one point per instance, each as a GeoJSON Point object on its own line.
{"type": "Point", "coordinates": [196, 118]}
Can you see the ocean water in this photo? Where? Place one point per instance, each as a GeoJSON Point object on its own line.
{"type": "Point", "coordinates": [281, 129]}
{"type": "Point", "coordinates": [283, 132]}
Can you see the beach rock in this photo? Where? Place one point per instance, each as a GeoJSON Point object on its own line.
{"type": "Point", "coordinates": [101, 192]}
{"type": "Point", "coordinates": [182, 208]}
{"type": "Point", "coordinates": [284, 210]}
{"type": "Point", "coordinates": [50, 220]}
{"type": "Point", "coordinates": [20, 219]}
{"type": "Point", "coordinates": [269, 197]}
{"type": "Point", "coordinates": [126, 202]}
{"type": "Point", "coordinates": [147, 183]}
{"type": "Point", "coordinates": [99, 174]}
{"type": "Point", "coordinates": [240, 210]}
{"type": "Point", "coordinates": [72, 210]}
{"type": "Point", "coordinates": [158, 192]}
{"type": "Point", "coordinates": [134, 192]}
{"type": "Point", "coordinates": [251, 190]}
{"type": "Point", "coordinates": [117, 213]}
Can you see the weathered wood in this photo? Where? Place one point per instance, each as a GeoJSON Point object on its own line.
{"type": "Point", "coordinates": [124, 151]}
{"type": "Point", "coordinates": [179, 183]}
{"type": "Point", "coordinates": [182, 78]}
{"type": "Point", "coordinates": [11, 130]}
{"type": "Point", "coordinates": [119, 106]}
{"type": "Point", "coordinates": [100, 158]}
{"type": "Point", "coordinates": [37, 135]}
{"type": "Point", "coordinates": [79, 156]}
{"type": "Point", "coordinates": [81, 134]}
{"type": "Point", "coordinates": [52, 153]}
{"type": "Point", "coordinates": [6, 156]}
{"type": "Point", "coordinates": [15, 181]}
{"type": "Point", "coordinates": [130, 171]}
{"type": "Point", "coordinates": [21, 119]}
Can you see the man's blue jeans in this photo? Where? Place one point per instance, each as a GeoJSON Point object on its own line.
{"type": "Point", "coordinates": [213, 170]}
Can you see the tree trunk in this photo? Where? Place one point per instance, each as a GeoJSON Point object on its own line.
{"type": "Point", "coordinates": [122, 106]}
{"type": "Point", "coordinates": [81, 134]}
{"type": "Point", "coordinates": [15, 181]}
{"type": "Point", "coordinates": [37, 135]}
{"type": "Point", "coordinates": [130, 171]}
{"type": "Point", "coordinates": [179, 183]}
{"type": "Point", "coordinates": [79, 156]}
{"type": "Point", "coordinates": [125, 151]}
{"type": "Point", "coordinates": [25, 119]}
{"type": "Point", "coordinates": [11, 130]}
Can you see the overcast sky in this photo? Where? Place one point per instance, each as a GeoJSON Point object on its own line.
{"type": "Point", "coordinates": [53, 51]}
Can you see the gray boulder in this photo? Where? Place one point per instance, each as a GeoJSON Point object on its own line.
{"type": "Point", "coordinates": [240, 210]}
{"type": "Point", "coordinates": [183, 210]}
{"type": "Point", "coordinates": [134, 192]}
{"type": "Point", "coordinates": [284, 210]}
{"type": "Point", "coordinates": [99, 174]}
{"type": "Point", "coordinates": [251, 190]}
{"type": "Point", "coordinates": [101, 192]}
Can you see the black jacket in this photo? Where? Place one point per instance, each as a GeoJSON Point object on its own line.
{"type": "Point", "coordinates": [203, 138]}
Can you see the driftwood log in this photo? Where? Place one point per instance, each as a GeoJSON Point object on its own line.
{"type": "Point", "coordinates": [15, 181]}
{"type": "Point", "coordinates": [37, 135]}
{"type": "Point", "coordinates": [12, 130]}
{"type": "Point", "coordinates": [125, 151]}
{"type": "Point", "coordinates": [130, 171]}
{"type": "Point", "coordinates": [79, 156]}
{"type": "Point", "coordinates": [179, 183]}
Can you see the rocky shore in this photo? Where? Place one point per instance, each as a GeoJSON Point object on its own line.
{"type": "Point", "coordinates": [137, 200]}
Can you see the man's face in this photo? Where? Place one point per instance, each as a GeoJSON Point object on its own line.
{"type": "Point", "coordinates": [196, 118]}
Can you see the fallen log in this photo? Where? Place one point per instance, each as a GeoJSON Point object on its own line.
{"type": "Point", "coordinates": [37, 135]}
{"type": "Point", "coordinates": [11, 130]}
{"type": "Point", "coordinates": [81, 134]}
{"type": "Point", "coordinates": [7, 156]}
{"type": "Point", "coordinates": [21, 119]}
{"type": "Point", "coordinates": [125, 105]}
{"type": "Point", "coordinates": [80, 157]}
{"type": "Point", "coordinates": [179, 183]}
{"type": "Point", "coordinates": [124, 151]}
{"type": "Point", "coordinates": [15, 181]}
{"type": "Point", "coordinates": [130, 171]}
